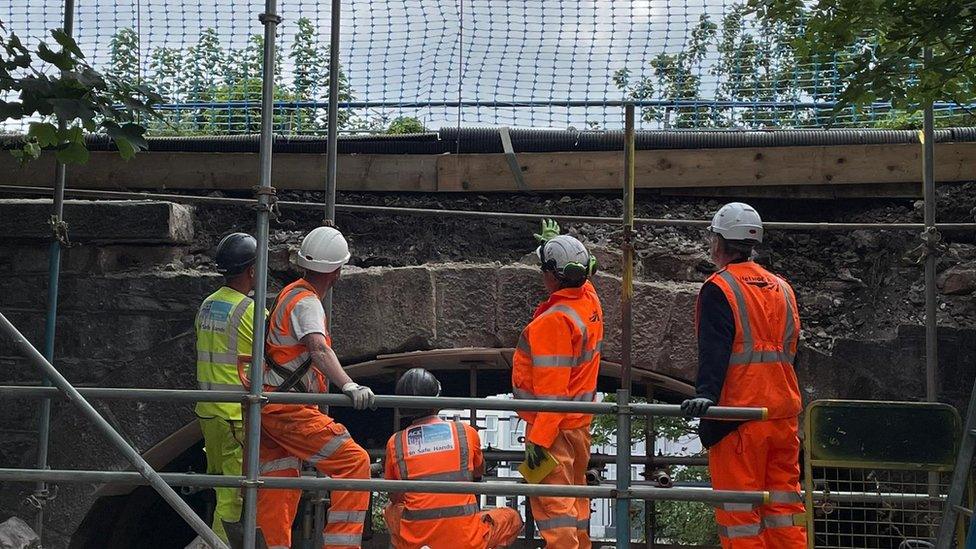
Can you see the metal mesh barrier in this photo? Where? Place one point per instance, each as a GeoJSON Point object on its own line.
{"type": "Point", "coordinates": [877, 473]}
{"type": "Point", "coordinates": [409, 64]}
{"type": "Point", "coordinates": [876, 508]}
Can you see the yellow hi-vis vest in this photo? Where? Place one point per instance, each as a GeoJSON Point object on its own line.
{"type": "Point", "coordinates": [225, 329]}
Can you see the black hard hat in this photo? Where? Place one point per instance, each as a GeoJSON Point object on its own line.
{"type": "Point", "coordinates": [418, 382]}
{"type": "Point", "coordinates": [235, 253]}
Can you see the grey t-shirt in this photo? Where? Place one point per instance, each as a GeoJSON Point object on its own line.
{"type": "Point", "coordinates": [308, 317]}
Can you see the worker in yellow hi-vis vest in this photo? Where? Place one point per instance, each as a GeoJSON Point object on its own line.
{"type": "Point", "coordinates": [224, 328]}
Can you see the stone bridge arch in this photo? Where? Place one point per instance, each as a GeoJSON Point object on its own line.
{"type": "Point", "coordinates": [378, 312]}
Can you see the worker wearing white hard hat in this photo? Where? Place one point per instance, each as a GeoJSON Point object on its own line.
{"type": "Point", "coordinates": [558, 358]}
{"type": "Point", "coordinates": [300, 358]}
{"type": "Point", "coordinates": [748, 331]}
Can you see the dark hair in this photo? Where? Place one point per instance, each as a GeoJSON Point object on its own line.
{"type": "Point", "coordinates": [741, 250]}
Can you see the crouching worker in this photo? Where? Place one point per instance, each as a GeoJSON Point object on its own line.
{"type": "Point", "coordinates": [434, 449]}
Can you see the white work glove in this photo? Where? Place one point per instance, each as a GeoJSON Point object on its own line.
{"type": "Point", "coordinates": [362, 396]}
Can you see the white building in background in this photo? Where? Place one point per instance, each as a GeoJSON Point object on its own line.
{"type": "Point", "coordinates": [504, 430]}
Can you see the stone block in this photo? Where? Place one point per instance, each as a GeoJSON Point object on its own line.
{"type": "Point", "coordinates": [520, 291]}
{"type": "Point", "coordinates": [140, 221]}
{"type": "Point", "coordinates": [16, 534]}
{"type": "Point", "coordinates": [958, 280]}
{"type": "Point", "coordinates": [383, 310]}
{"type": "Point", "coordinates": [465, 301]}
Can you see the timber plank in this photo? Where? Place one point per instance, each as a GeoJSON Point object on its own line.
{"type": "Point", "coordinates": [683, 168]}
{"type": "Point", "coordinates": [230, 171]}
{"type": "Point", "coordinates": [761, 169]}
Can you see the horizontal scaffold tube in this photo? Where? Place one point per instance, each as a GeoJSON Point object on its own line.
{"type": "Point", "coordinates": [382, 401]}
{"type": "Point", "coordinates": [600, 459]}
{"type": "Point", "coordinates": [514, 216]}
{"type": "Point", "coordinates": [363, 485]}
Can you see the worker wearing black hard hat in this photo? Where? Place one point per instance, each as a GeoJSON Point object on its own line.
{"type": "Point", "coordinates": [224, 331]}
{"type": "Point", "coordinates": [434, 449]}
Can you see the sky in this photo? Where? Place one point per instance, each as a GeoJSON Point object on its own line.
{"type": "Point", "coordinates": [420, 50]}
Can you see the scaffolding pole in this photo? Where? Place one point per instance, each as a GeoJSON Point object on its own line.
{"type": "Point", "coordinates": [40, 496]}
{"type": "Point", "coordinates": [704, 495]}
{"type": "Point", "coordinates": [622, 515]}
{"type": "Point", "coordinates": [381, 401]}
{"type": "Point", "coordinates": [88, 411]}
{"type": "Point", "coordinates": [931, 238]}
{"type": "Point", "coordinates": [253, 402]}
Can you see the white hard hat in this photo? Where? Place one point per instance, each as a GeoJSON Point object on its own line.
{"type": "Point", "coordinates": [564, 251]}
{"type": "Point", "coordinates": [737, 221]}
{"type": "Point", "coordinates": [323, 250]}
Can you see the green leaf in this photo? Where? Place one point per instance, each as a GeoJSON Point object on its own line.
{"type": "Point", "coordinates": [62, 60]}
{"type": "Point", "coordinates": [74, 153]}
{"type": "Point", "coordinates": [126, 149]}
{"type": "Point", "coordinates": [67, 42]}
{"type": "Point", "coordinates": [45, 134]}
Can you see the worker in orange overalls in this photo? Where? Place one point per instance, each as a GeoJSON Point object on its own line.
{"type": "Point", "coordinates": [748, 328]}
{"type": "Point", "coordinates": [434, 449]}
{"type": "Point", "coordinates": [299, 357]}
{"type": "Point", "coordinates": [558, 358]}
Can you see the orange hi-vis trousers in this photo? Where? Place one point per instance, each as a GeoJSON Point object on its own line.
{"type": "Point", "coordinates": [760, 455]}
{"type": "Point", "coordinates": [502, 527]}
{"type": "Point", "coordinates": [564, 523]}
{"type": "Point", "coordinates": [291, 434]}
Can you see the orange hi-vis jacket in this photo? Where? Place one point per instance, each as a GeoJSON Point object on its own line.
{"type": "Point", "coordinates": [283, 348]}
{"type": "Point", "coordinates": [434, 449]}
{"type": "Point", "coordinates": [767, 331]}
{"type": "Point", "coordinates": [558, 358]}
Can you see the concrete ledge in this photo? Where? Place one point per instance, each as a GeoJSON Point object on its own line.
{"type": "Point", "coordinates": [103, 221]}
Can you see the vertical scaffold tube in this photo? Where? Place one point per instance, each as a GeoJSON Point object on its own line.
{"type": "Point", "coordinates": [270, 19]}
{"type": "Point", "coordinates": [332, 150]}
{"type": "Point", "coordinates": [622, 504]}
{"type": "Point", "coordinates": [626, 319]}
{"type": "Point", "coordinates": [50, 326]}
{"type": "Point", "coordinates": [928, 191]}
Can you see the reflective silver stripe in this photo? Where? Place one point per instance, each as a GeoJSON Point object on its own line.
{"type": "Point", "coordinates": [462, 445]}
{"type": "Point", "coordinates": [330, 448]}
{"type": "Point", "coordinates": [342, 539]}
{"type": "Point", "coordinates": [523, 345]}
{"type": "Point", "coordinates": [281, 464]}
{"type": "Point", "coordinates": [572, 314]}
{"type": "Point", "coordinates": [561, 521]}
{"type": "Point", "coordinates": [401, 460]}
{"type": "Point", "coordinates": [211, 386]}
{"type": "Point", "coordinates": [790, 327]}
{"type": "Point", "coordinates": [279, 547]}
{"type": "Point", "coordinates": [346, 516]}
{"type": "Point", "coordinates": [784, 496]}
{"type": "Point", "coordinates": [525, 395]}
{"type": "Point", "coordinates": [460, 476]}
{"type": "Point", "coordinates": [753, 357]}
{"type": "Point", "coordinates": [740, 302]}
{"type": "Point", "coordinates": [778, 521]}
{"type": "Point", "coordinates": [275, 336]}
{"type": "Point", "coordinates": [736, 507]}
{"type": "Point", "coordinates": [583, 524]}
{"type": "Point", "coordinates": [555, 361]}
{"type": "Point", "coordinates": [591, 354]}
{"type": "Point", "coordinates": [441, 512]}
{"type": "Point", "coordinates": [740, 531]}
{"type": "Point", "coordinates": [235, 326]}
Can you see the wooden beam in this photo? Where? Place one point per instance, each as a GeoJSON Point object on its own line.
{"type": "Point", "coordinates": [230, 171]}
{"type": "Point", "coordinates": [763, 170]}
{"type": "Point", "coordinates": [685, 168]}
